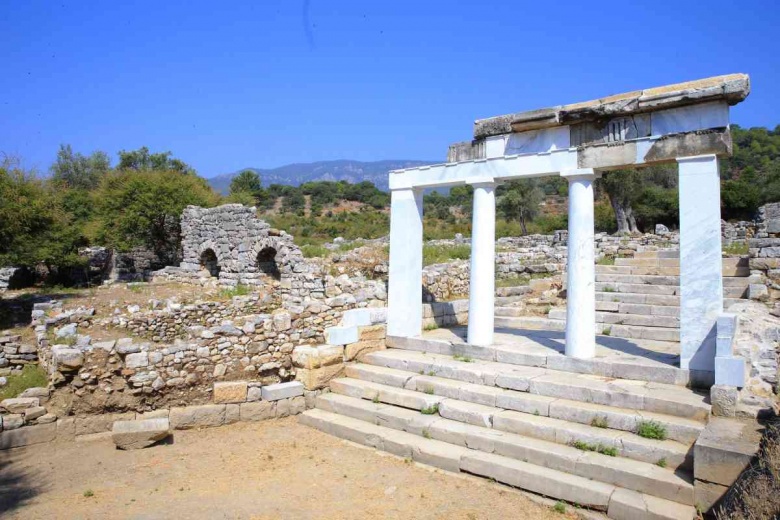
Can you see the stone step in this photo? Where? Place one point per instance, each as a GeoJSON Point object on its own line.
{"type": "Point", "coordinates": [637, 279]}
{"type": "Point", "coordinates": [728, 270]}
{"type": "Point", "coordinates": [661, 368]}
{"type": "Point", "coordinates": [635, 475]}
{"type": "Point", "coordinates": [627, 445]}
{"type": "Point", "coordinates": [649, 262]}
{"type": "Point", "coordinates": [685, 431]}
{"type": "Point", "coordinates": [507, 300]}
{"type": "Point", "coordinates": [662, 398]}
{"type": "Point", "coordinates": [638, 308]}
{"type": "Point", "coordinates": [620, 503]}
{"type": "Point", "coordinates": [642, 298]}
{"type": "Point", "coordinates": [638, 288]}
{"type": "Point", "coordinates": [659, 253]}
{"type": "Point", "coordinates": [615, 318]}
{"type": "Point", "coordinates": [606, 329]}
{"type": "Point", "coordinates": [517, 290]}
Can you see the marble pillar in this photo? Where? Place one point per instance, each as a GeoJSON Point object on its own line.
{"type": "Point", "coordinates": [404, 295]}
{"type": "Point", "coordinates": [701, 276]}
{"type": "Point", "coordinates": [580, 268]}
{"type": "Point", "coordinates": [483, 264]}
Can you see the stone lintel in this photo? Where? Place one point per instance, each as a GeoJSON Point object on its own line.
{"type": "Point", "coordinates": [731, 88]}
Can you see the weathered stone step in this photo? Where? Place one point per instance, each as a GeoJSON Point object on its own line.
{"type": "Point", "coordinates": [634, 475]}
{"type": "Point", "coordinates": [679, 429]}
{"type": "Point", "coordinates": [620, 503]}
{"type": "Point", "coordinates": [529, 322]}
{"type": "Point", "coordinates": [621, 393]}
{"type": "Point", "coordinates": [658, 253]}
{"type": "Point", "coordinates": [732, 267]}
{"type": "Point", "coordinates": [606, 329]}
{"type": "Point", "coordinates": [658, 370]}
{"type": "Point", "coordinates": [507, 300]}
{"type": "Point", "coordinates": [646, 299]}
{"type": "Point", "coordinates": [649, 262]}
{"type": "Point", "coordinates": [637, 288]}
{"type": "Point", "coordinates": [613, 318]}
{"type": "Point", "coordinates": [628, 445]}
{"type": "Point", "coordinates": [517, 290]}
{"type": "Point", "coordinates": [638, 308]}
{"type": "Point", "coordinates": [637, 279]}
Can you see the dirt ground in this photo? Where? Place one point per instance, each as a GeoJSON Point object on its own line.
{"type": "Point", "coordinates": [262, 471]}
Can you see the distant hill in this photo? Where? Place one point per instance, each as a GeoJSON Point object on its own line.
{"type": "Point", "coordinates": [343, 170]}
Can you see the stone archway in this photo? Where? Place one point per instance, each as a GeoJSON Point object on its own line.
{"type": "Point", "coordinates": [266, 263]}
{"type": "Point", "coordinates": [210, 262]}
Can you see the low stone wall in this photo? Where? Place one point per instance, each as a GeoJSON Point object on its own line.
{"type": "Point", "coordinates": [14, 355]}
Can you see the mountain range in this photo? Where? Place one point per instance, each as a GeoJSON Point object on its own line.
{"type": "Point", "coordinates": [342, 170]}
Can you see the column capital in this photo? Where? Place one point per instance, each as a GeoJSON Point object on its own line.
{"type": "Point", "coordinates": [481, 181]}
{"type": "Point", "coordinates": [580, 173]}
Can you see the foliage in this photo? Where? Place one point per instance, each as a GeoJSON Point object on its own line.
{"type": "Point", "coordinates": [238, 290]}
{"type": "Point", "coordinates": [598, 448]}
{"type": "Point", "coordinates": [77, 171]}
{"type": "Point", "coordinates": [32, 376]}
{"type": "Point", "coordinates": [651, 430]}
{"type": "Point", "coordinates": [519, 200]}
{"type": "Point", "coordinates": [142, 160]}
{"type": "Point", "coordinates": [34, 228]}
{"type": "Point", "coordinates": [430, 410]}
{"type": "Point", "coordinates": [143, 208]}
{"type": "Point", "coordinates": [737, 248]}
{"type": "Point", "coordinates": [314, 251]}
{"type": "Point", "coordinates": [441, 254]}
{"type": "Point", "coordinates": [248, 181]}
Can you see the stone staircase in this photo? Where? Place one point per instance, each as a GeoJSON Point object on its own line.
{"type": "Point", "coordinates": [637, 298]}
{"type": "Point", "coordinates": [501, 413]}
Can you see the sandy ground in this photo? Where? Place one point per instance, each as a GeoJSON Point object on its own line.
{"type": "Point", "coordinates": [274, 469]}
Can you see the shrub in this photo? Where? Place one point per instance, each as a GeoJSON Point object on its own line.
{"type": "Point", "coordinates": [430, 410]}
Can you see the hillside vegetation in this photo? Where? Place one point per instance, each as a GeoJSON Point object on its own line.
{"type": "Point", "coordinates": [138, 202]}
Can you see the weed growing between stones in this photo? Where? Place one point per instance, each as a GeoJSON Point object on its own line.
{"type": "Point", "coordinates": [560, 507]}
{"type": "Point", "coordinates": [599, 421]}
{"type": "Point", "coordinates": [651, 430]}
{"type": "Point", "coordinates": [464, 359]}
{"type": "Point", "coordinates": [431, 326]}
{"type": "Point", "coordinates": [598, 448]}
{"type": "Point", "coordinates": [426, 433]}
{"type": "Point", "coordinates": [89, 493]}
{"type": "Point", "coordinates": [606, 260]}
{"type": "Point", "coordinates": [430, 410]}
{"type": "Point", "coordinates": [428, 390]}
{"type": "Point", "coordinates": [375, 400]}
{"type": "Point", "coordinates": [238, 290]}
{"type": "Point", "coordinates": [661, 463]}
{"type": "Point", "coordinates": [607, 331]}
{"type": "Point", "coordinates": [608, 289]}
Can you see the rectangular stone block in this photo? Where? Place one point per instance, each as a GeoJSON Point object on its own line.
{"type": "Point", "coordinates": [356, 350]}
{"type": "Point", "coordinates": [100, 423]}
{"type": "Point", "coordinates": [724, 450]}
{"type": "Point", "coordinates": [257, 411]}
{"type": "Point", "coordinates": [372, 332]}
{"type": "Point", "coordinates": [204, 416]}
{"type": "Point", "coordinates": [230, 392]}
{"type": "Point", "coordinates": [311, 357]}
{"type": "Point", "coordinates": [28, 435]}
{"type": "Point", "coordinates": [131, 435]}
{"type": "Point", "coordinates": [316, 378]}
{"type": "Point", "coordinates": [707, 494]}
{"type": "Point", "coordinates": [282, 390]}
{"type": "Point", "coordinates": [341, 335]}
{"type": "Point", "coordinates": [356, 318]}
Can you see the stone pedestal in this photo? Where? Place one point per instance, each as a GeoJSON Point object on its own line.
{"type": "Point", "coordinates": [581, 272]}
{"type": "Point", "coordinates": [701, 278]}
{"type": "Point", "coordinates": [404, 297]}
{"type": "Point", "coordinates": [483, 264]}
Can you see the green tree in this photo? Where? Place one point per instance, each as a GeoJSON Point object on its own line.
{"type": "Point", "coordinates": [33, 226]}
{"type": "Point", "coordinates": [520, 200]}
{"type": "Point", "coordinates": [247, 181]}
{"type": "Point", "coordinates": [142, 160]}
{"type": "Point", "coordinates": [143, 208]}
{"type": "Point", "coordinates": [623, 188]}
{"type": "Point", "coordinates": [77, 171]}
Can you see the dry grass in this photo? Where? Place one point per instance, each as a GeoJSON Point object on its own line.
{"type": "Point", "coordinates": [756, 494]}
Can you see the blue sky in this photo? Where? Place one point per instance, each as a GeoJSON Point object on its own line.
{"type": "Point", "coordinates": [224, 85]}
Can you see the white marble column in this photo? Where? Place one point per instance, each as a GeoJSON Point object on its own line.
{"type": "Point", "coordinates": [581, 272]}
{"type": "Point", "coordinates": [483, 263]}
{"type": "Point", "coordinates": [404, 295]}
{"type": "Point", "coordinates": [701, 276]}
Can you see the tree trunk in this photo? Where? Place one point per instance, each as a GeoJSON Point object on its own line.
{"type": "Point", "coordinates": [522, 225]}
{"type": "Point", "coordinates": [621, 216]}
{"type": "Point", "coordinates": [631, 220]}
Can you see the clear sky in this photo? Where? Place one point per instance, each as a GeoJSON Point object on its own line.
{"type": "Point", "coordinates": [225, 85]}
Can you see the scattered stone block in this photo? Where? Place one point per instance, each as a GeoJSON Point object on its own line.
{"type": "Point", "coordinates": [33, 413]}
{"type": "Point", "coordinates": [92, 424]}
{"type": "Point", "coordinates": [133, 435]}
{"type": "Point", "coordinates": [137, 360]}
{"type": "Point", "coordinates": [204, 416]}
{"type": "Point", "coordinates": [758, 291]}
{"type": "Point", "coordinates": [724, 400]}
{"type": "Point", "coordinates": [309, 357]}
{"type": "Point", "coordinates": [707, 494]}
{"type": "Point", "coordinates": [356, 318]}
{"type": "Point", "coordinates": [13, 421]}
{"type": "Point", "coordinates": [38, 391]}
{"type": "Point", "coordinates": [724, 450]}
{"type": "Point", "coordinates": [230, 392]}
{"type": "Point", "coordinates": [67, 331]}
{"type": "Point", "coordinates": [254, 393]}
{"type": "Point", "coordinates": [34, 434]}
{"type": "Point", "coordinates": [282, 390]}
